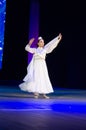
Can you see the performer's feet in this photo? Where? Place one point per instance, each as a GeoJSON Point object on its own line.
{"type": "Point", "coordinates": [36, 95]}
{"type": "Point", "coordinates": [45, 96]}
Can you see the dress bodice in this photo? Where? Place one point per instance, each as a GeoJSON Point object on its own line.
{"type": "Point", "coordinates": [40, 53]}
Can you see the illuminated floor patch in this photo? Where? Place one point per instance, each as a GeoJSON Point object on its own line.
{"type": "Point", "coordinates": [54, 105]}
{"type": "Point", "coordinates": [61, 101]}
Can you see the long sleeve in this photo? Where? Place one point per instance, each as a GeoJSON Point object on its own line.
{"type": "Point", "coordinates": [49, 47]}
{"type": "Point", "coordinates": [29, 49]}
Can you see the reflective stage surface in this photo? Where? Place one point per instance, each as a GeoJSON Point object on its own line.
{"type": "Point", "coordinates": [65, 110]}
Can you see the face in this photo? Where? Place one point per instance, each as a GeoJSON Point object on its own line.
{"type": "Point", "coordinates": [41, 43]}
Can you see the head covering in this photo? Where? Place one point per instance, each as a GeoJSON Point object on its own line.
{"type": "Point", "coordinates": [40, 38]}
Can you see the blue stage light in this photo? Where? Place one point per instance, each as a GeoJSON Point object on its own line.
{"type": "Point", "coordinates": [2, 28]}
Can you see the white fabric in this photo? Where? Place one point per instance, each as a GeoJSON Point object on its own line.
{"type": "Point", "coordinates": [49, 47]}
{"type": "Point", "coordinates": [37, 78]}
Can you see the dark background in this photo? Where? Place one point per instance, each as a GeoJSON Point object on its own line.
{"type": "Point", "coordinates": [67, 63]}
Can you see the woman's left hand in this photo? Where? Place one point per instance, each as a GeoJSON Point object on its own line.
{"type": "Point", "coordinates": [59, 36]}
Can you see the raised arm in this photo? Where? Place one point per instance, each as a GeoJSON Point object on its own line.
{"type": "Point", "coordinates": [49, 47]}
{"type": "Point", "coordinates": [28, 48]}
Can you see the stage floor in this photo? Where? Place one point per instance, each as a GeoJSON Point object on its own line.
{"type": "Point", "coordinates": [65, 110]}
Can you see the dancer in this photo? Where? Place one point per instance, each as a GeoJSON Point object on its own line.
{"type": "Point", "coordinates": [37, 79]}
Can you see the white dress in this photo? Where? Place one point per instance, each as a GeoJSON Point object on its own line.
{"type": "Point", "coordinates": [37, 78]}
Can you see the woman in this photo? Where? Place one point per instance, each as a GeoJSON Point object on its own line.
{"type": "Point", "coordinates": [37, 78]}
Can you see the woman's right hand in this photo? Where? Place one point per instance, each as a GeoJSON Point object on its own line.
{"type": "Point", "coordinates": [31, 41]}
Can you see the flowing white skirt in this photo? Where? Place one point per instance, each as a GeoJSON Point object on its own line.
{"type": "Point", "coordinates": [37, 78]}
